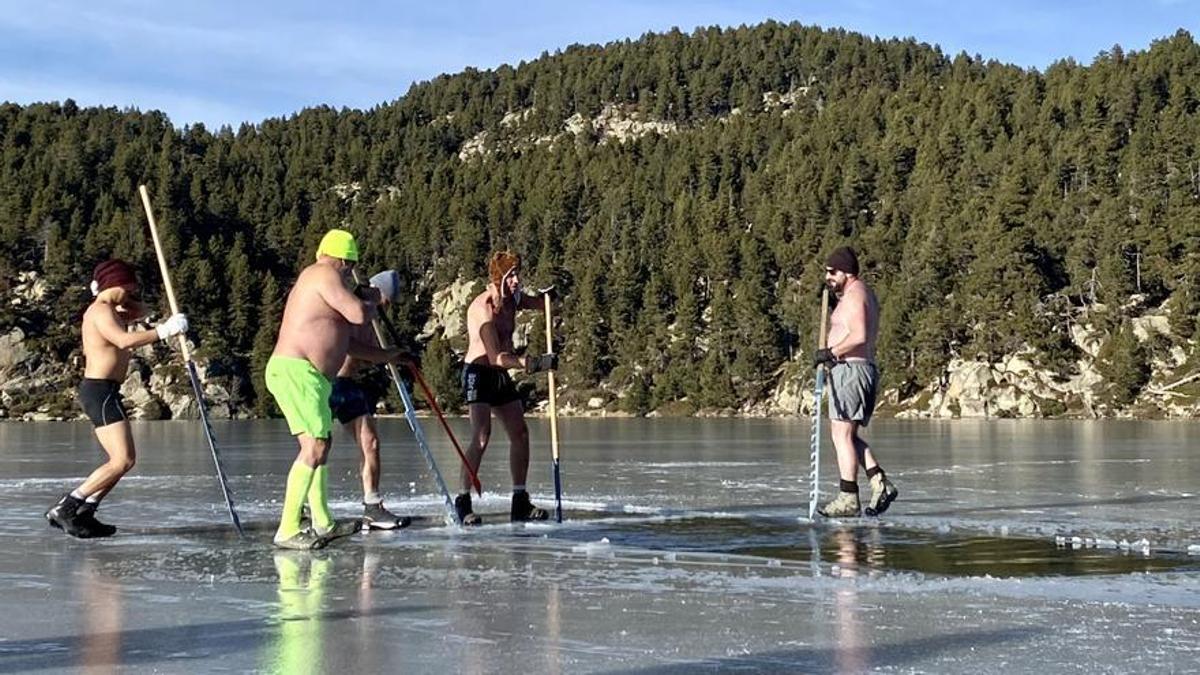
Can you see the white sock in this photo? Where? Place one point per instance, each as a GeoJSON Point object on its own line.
{"type": "Point", "coordinates": [372, 498]}
{"type": "Point", "coordinates": [518, 488]}
{"type": "Point", "coordinates": [76, 494]}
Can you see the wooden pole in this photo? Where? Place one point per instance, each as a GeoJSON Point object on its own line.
{"type": "Point", "coordinates": [553, 413]}
{"type": "Point", "coordinates": [193, 374]}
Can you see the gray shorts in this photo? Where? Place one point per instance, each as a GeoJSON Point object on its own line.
{"type": "Point", "coordinates": [852, 388]}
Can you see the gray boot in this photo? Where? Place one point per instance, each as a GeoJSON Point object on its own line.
{"type": "Point", "coordinates": [304, 540]}
{"type": "Point", "coordinates": [883, 493]}
{"type": "Point", "coordinates": [377, 517]}
{"type": "Point", "coordinates": [844, 505]}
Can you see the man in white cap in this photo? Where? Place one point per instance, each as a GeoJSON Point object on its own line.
{"type": "Point", "coordinates": [354, 407]}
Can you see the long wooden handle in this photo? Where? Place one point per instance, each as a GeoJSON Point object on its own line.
{"type": "Point", "coordinates": [162, 267]}
{"type": "Point", "coordinates": [553, 389]}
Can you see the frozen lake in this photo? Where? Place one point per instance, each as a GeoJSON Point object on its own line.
{"type": "Point", "coordinates": [1015, 546]}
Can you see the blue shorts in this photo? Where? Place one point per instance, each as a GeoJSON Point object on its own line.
{"type": "Point", "coordinates": [350, 401]}
{"type": "Point", "coordinates": [488, 384]}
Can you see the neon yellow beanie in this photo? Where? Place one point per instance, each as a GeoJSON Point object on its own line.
{"type": "Point", "coordinates": [338, 244]}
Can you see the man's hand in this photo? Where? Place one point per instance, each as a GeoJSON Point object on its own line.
{"type": "Point", "coordinates": [539, 363]}
{"type": "Point", "coordinates": [368, 294]}
{"type": "Point", "coordinates": [824, 357]}
{"type": "Point", "coordinates": [173, 326]}
{"type": "Point", "coordinates": [403, 358]}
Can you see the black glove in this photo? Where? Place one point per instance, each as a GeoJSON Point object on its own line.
{"type": "Point", "coordinates": [824, 357]}
{"type": "Point", "coordinates": [540, 363]}
{"type": "Point", "coordinates": [368, 293]}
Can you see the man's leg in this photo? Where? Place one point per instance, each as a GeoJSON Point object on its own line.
{"type": "Point", "coordinates": [318, 490]}
{"type": "Point", "coordinates": [75, 513]}
{"type": "Point", "coordinates": [117, 441]}
{"type": "Point", "coordinates": [364, 431]}
{"type": "Point", "coordinates": [512, 416]}
{"type": "Point", "coordinates": [845, 503]}
{"type": "Point", "coordinates": [863, 453]}
{"type": "Point", "coordinates": [481, 433]}
{"type": "Point", "coordinates": [301, 477]}
{"type": "Point", "coordinates": [883, 493]}
{"type": "Point", "coordinates": [375, 515]}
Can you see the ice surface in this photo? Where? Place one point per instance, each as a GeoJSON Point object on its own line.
{"type": "Point", "coordinates": [1014, 547]}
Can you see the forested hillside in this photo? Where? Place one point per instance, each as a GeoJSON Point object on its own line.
{"type": "Point", "coordinates": [681, 189]}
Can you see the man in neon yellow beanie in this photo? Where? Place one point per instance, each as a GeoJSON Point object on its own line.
{"type": "Point", "coordinates": [314, 338]}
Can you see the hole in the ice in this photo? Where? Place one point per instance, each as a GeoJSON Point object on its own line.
{"type": "Point", "coordinates": [873, 548]}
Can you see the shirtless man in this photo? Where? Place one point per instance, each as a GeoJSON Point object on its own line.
{"type": "Point", "coordinates": [107, 345]}
{"type": "Point", "coordinates": [354, 407]}
{"type": "Point", "coordinates": [491, 319]}
{"type": "Point", "coordinates": [314, 338]}
{"type": "Point", "coordinates": [853, 384]}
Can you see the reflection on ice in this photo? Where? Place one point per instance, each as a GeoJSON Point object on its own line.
{"type": "Point", "coordinates": [683, 552]}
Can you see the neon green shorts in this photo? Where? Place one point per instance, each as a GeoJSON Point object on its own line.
{"type": "Point", "coordinates": [302, 393]}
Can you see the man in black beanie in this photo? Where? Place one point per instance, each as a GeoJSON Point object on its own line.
{"type": "Point", "coordinates": [853, 385]}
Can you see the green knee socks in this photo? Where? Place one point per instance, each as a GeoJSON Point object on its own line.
{"type": "Point", "coordinates": [318, 499]}
{"type": "Point", "coordinates": [299, 482]}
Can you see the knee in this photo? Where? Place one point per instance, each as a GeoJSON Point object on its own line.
{"type": "Point", "coordinates": [370, 445]}
{"type": "Point", "coordinates": [521, 434]}
{"type": "Point", "coordinates": [125, 463]}
{"type": "Point", "coordinates": [843, 432]}
{"type": "Point", "coordinates": [482, 436]}
{"type": "Point", "coordinates": [313, 453]}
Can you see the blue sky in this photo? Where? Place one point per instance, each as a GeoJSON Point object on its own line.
{"type": "Point", "coordinates": [222, 62]}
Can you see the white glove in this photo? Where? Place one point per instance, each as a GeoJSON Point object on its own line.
{"type": "Point", "coordinates": [171, 327]}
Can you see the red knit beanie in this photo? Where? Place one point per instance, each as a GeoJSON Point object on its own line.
{"type": "Point", "coordinates": [113, 273]}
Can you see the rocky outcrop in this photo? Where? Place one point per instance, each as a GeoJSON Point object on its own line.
{"type": "Point", "coordinates": [448, 315]}
{"type": "Point", "coordinates": [616, 123]}
{"type": "Point", "coordinates": [13, 351]}
{"type": "Point", "coordinates": [1012, 387]}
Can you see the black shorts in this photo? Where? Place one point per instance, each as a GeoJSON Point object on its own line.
{"type": "Point", "coordinates": [488, 384]}
{"type": "Point", "coordinates": [101, 401]}
{"type": "Point", "coordinates": [350, 401]}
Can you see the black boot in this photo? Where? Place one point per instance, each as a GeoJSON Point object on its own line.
{"type": "Point", "coordinates": [523, 509]}
{"type": "Point", "coordinates": [462, 505]}
{"type": "Point", "coordinates": [65, 516]}
{"type": "Point", "coordinates": [86, 515]}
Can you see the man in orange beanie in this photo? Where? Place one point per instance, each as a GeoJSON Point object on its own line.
{"type": "Point", "coordinates": [491, 319]}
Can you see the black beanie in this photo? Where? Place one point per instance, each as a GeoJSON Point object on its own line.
{"type": "Point", "coordinates": [843, 260]}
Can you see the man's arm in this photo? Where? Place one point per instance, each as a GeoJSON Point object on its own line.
{"type": "Point", "coordinates": [536, 300]}
{"type": "Point", "coordinates": [491, 343]}
{"type": "Point", "coordinates": [112, 331]}
{"type": "Point", "coordinates": [528, 301]}
{"type": "Point", "coordinates": [373, 354]}
{"type": "Point", "coordinates": [336, 295]}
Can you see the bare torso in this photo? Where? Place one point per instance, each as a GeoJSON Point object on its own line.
{"type": "Point", "coordinates": [103, 360]}
{"type": "Point", "coordinates": [488, 308]}
{"type": "Point", "coordinates": [855, 320]}
{"type": "Point", "coordinates": [312, 328]}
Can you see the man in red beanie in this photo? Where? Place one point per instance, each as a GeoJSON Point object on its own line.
{"type": "Point", "coordinates": [853, 385]}
{"type": "Point", "coordinates": [491, 320]}
{"type": "Point", "coordinates": [107, 345]}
